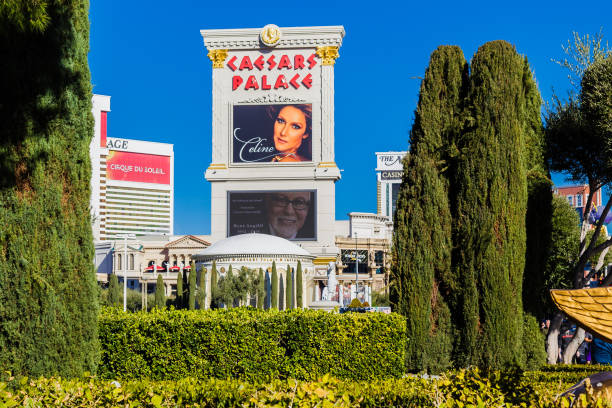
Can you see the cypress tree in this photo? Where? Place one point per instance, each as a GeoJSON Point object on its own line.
{"type": "Point", "coordinates": [201, 297]}
{"type": "Point", "coordinates": [281, 292]}
{"type": "Point", "coordinates": [214, 285]}
{"type": "Point", "coordinates": [114, 291]}
{"type": "Point", "coordinates": [228, 293]}
{"type": "Point", "coordinates": [260, 290]}
{"type": "Point", "coordinates": [274, 286]}
{"type": "Point", "coordinates": [267, 298]}
{"type": "Point", "coordinates": [298, 285]}
{"type": "Point", "coordinates": [539, 200]}
{"type": "Point", "coordinates": [179, 290]}
{"type": "Point", "coordinates": [160, 296]}
{"type": "Point", "coordinates": [192, 286]}
{"type": "Point", "coordinates": [48, 288]}
{"type": "Point", "coordinates": [289, 289]}
{"type": "Point", "coordinates": [491, 204]}
{"type": "Point", "coordinates": [421, 274]}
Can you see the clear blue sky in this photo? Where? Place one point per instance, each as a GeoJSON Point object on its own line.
{"type": "Point", "coordinates": [150, 58]}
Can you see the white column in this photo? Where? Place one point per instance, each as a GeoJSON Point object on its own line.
{"type": "Point", "coordinates": [327, 113]}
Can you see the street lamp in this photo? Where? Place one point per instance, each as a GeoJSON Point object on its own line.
{"type": "Point", "coordinates": [125, 267]}
{"type": "Point", "coordinates": [356, 270]}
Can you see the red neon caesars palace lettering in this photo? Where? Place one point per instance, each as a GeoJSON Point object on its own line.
{"type": "Point", "coordinates": [270, 77]}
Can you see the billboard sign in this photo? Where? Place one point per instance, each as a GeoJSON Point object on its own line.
{"type": "Point", "coordinates": [390, 161]}
{"type": "Point", "coordinates": [272, 133]}
{"type": "Point", "coordinates": [137, 167]}
{"type": "Point", "coordinates": [285, 214]}
{"type": "Point", "coordinates": [391, 175]}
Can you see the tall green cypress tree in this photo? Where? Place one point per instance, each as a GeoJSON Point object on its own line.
{"type": "Point", "coordinates": [192, 286]}
{"type": "Point", "coordinates": [491, 204]}
{"type": "Point", "coordinates": [274, 286]}
{"type": "Point", "coordinates": [289, 289]}
{"type": "Point", "coordinates": [298, 285]}
{"type": "Point", "coordinates": [201, 297]}
{"type": "Point", "coordinates": [114, 291]}
{"type": "Point", "coordinates": [228, 292]}
{"type": "Point", "coordinates": [281, 293]}
{"type": "Point", "coordinates": [214, 285]}
{"type": "Point", "coordinates": [48, 288]}
{"type": "Point", "coordinates": [179, 290]}
{"type": "Point", "coordinates": [539, 200]}
{"type": "Point", "coordinates": [160, 296]}
{"type": "Point", "coordinates": [260, 290]}
{"type": "Point", "coordinates": [421, 274]}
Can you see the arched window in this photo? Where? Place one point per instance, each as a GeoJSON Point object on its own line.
{"type": "Point", "coordinates": [131, 262]}
{"type": "Point", "coordinates": [119, 264]}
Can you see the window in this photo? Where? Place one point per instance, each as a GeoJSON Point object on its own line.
{"type": "Point", "coordinates": [579, 200]}
{"type": "Point", "coordinates": [119, 264]}
{"type": "Point", "coordinates": [131, 262]}
{"type": "Point", "coordinates": [570, 200]}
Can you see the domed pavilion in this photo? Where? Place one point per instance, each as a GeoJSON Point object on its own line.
{"type": "Point", "coordinates": [255, 251]}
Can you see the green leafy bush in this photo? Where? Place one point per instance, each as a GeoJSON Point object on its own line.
{"type": "Point", "coordinates": [473, 388]}
{"type": "Point", "coordinates": [533, 343]}
{"type": "Point", "coordinates": [250, 344]}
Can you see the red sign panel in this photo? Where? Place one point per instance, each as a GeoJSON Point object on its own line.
{"type": "Point", "coordinates": [139, 167]}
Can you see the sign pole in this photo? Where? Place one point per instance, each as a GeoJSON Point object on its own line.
{"type": "Point", "coordinates": [356, 270]}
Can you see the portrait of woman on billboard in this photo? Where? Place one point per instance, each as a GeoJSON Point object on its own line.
{"type": "Point", "coordinates": [272, 133]}
{"type": "Point", "coordinates": [285, 214]}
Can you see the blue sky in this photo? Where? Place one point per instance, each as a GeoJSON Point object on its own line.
{"type": "Point", "coordinates": [149, 57]}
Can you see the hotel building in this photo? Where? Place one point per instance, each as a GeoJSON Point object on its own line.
{"type": "Point", "coordinates": [132, 182]}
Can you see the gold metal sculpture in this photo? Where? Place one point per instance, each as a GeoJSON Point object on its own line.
{"type": "Point", "coordinates": [591, 309]}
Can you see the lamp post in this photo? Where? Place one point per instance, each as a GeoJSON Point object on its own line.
{"type": "Point", "coordinates": [356, 270]}
{"type": "Point", "coordinates": [125, 267]}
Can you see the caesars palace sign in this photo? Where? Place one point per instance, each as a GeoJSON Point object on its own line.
{"type": "Point", "coordinates": [281, 70]}
{"type": "Point", "coordinates": [273, 168]}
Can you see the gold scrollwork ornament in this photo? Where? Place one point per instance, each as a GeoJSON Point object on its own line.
{"type": "Point", "coordinates": [270, 35]}
{"type": "Point", "coordinates": [217, 57]}
{"type": "Point", "coordinates": [328, 54]}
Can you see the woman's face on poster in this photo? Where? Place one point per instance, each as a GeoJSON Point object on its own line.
{"type": "Point", "coordinates": [289, 129]}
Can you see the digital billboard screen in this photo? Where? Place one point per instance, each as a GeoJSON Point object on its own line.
{"type": "Point", "coordinates": [272, 133]}
{"type": "Point", "coordinates": [138, 167]}
{"type": "Point", "coordinates": [286, 214]}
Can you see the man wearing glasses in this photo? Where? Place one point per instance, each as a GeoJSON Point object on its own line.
{"type": "Point", "coordinates": [286, 213]}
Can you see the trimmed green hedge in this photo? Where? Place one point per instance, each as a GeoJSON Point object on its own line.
{"type": "Point", "coordinates": [508, 388]}
{"type": "Point", "coordinates": [250, 344]}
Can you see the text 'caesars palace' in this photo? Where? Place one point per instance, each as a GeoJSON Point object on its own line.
{"type": "Point", "coordinates": [272, 177]}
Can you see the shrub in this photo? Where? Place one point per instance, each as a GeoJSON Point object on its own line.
{"type": "Point", "coordinates": [355, 303]}
{"type": "Point", "coordinates": [48, 302]}
{"type": "Point", "coordinates": [533, 343]}
{"type": "Point", "coordinates": [458, 389]}
{"type": "Point", "coordinates": [250, 344]}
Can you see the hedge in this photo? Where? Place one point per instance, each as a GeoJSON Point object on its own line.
{"type": "Point", "coordinates": [508, 388]}
{"type": "Point", "coordinates": [250, 344]}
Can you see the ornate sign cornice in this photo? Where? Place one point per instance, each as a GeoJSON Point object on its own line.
{"type": "Point", "coordinates": [292, 37]}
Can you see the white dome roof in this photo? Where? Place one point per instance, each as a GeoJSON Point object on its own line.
{"type": "Point", "coordinates": [253, 244]}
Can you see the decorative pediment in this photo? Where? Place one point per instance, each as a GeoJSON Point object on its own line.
{"type": "Point", "coordinates": [188, 241]}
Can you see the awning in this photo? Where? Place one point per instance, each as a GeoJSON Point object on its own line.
{"type": "Point", "coordinates": [175, 268]}
{"type": "Point", "coordinates": [149, 268]}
